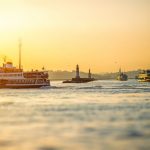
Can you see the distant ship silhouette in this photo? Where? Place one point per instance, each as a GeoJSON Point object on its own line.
{"type": "Point", "coordinates": [78, 79]}
{"type": "Point", "coordinates": [122, 76]}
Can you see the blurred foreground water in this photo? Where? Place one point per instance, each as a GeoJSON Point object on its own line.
{"type": "Point", "coordinates": [100, 115]}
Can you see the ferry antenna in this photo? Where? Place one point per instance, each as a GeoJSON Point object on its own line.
{"type": "Point", "coordinates": [20, 46]}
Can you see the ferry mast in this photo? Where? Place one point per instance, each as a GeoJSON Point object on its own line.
{"type": "Point", "coordinates": [20, 46]}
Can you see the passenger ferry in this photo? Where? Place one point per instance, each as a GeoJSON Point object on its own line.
{"type": "Point", "coordinates": [144, 76]}
{"type": "Point", "coordinates": [12, 77]}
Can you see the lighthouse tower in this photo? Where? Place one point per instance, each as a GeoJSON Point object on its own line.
{"type": "Point", "coordinates": [77, 72]}
{"type": "Point", "coordinates": [89, 75]}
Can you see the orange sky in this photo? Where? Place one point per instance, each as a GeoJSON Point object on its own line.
{"type": "Point", "coordinates": [58, 34]}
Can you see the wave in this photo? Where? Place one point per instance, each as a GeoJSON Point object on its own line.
{"type": "Point", "coordinates": [98, 87]}
{"type": "Point", "coordinates": [91, 87]}
{"type": "Point", "coordinates": [60, 87]}
{"type": "Point", "coordinates": [6, 103]}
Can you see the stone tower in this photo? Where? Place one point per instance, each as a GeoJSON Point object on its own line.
{"type": "Point", "coordinates": [77, 72]}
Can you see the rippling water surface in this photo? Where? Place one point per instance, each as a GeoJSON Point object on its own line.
{"type": "Point", "coordinates": [100, 115]}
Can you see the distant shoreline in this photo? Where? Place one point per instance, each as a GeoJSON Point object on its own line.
{"type": "Point", "coordinates": [66, 75]}
{"type": "Point", "coordinates": [95, 80]}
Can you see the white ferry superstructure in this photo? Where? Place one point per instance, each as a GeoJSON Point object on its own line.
{"type": "Point", "coordinates": [144, 76]}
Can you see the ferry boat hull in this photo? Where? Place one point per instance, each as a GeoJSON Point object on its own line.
{"type": "Point", "coordinates": [122, 78]}
{"type": "Point", "coordinates": [4, 84]}
{"type": "Point", "coordinates": [23, 86]}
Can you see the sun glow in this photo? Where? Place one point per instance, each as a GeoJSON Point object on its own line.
{"type": "Point", "coordinates": [60, 34]}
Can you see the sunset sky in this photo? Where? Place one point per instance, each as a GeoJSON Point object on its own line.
{"type": "Point", "coordinates": [101, 34]}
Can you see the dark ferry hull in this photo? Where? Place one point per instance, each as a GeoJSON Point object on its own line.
{"type": "Point", "coordinates": [124, 77]}
{"type": "Point", "coordinates": [23, 86]}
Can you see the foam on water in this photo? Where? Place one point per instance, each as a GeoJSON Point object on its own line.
{"type": "Point", "coordinates": [96, 115]}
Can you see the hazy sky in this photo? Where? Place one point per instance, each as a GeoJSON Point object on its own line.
{"type": "Point", "coordinates": [58, 34]}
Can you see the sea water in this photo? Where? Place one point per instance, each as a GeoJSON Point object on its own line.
{"type": "Point", "coordinates": [99, 115]}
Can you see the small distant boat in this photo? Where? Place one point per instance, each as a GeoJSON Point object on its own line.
{"type": "Point", "coordinates": [144, 76]}
{"type": "Point", "coordinates": [122, 76]}
{"type": "Point", "coordinates": [78, 79]}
